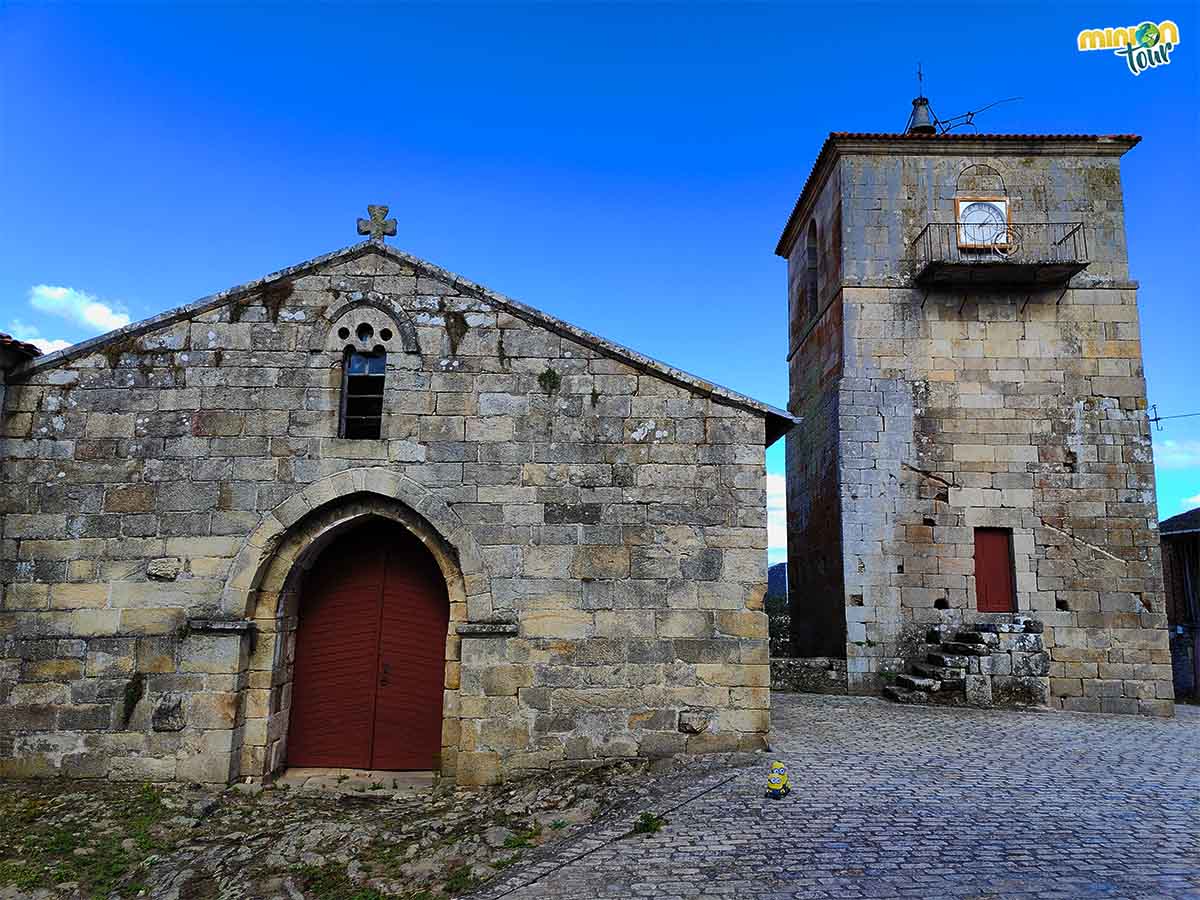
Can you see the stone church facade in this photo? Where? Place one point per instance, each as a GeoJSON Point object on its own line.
{"type": "Point", "coordinates": [971, 506]}
{"type": "Point", "coordinates": [180, 497]}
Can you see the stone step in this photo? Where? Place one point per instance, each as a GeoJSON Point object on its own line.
{"type": "Point", "coordinates": [1019, 625]}
{"type": "Point", "coordinates": [1023, 643]}
{"type": "Point", "coordinates": [958, 648]}
{"type": "Point", "coordinates": [900, 695]}
{"type": "Point", "coordinates": [987, 638]}
{"type": "Point", "coordinates": [918, 683]}
{"type": "Point", "coordinates": [951, 679]}
{"type": "Point", "coordinates": [948, 660]}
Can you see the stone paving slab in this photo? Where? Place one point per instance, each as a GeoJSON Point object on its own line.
{"type": "Point", "coordinates": [915, 802]}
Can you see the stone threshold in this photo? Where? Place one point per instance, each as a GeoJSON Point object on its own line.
{"type": "Point", "coordinates": [362, 782]}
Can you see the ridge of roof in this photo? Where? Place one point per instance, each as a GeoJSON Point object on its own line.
{"type": "Point", "coordinates": [1183, 523]}
{"type": "Point", "coordinates": [1121, 143]}
{"type": "Point", "coordinates": [778, 421]}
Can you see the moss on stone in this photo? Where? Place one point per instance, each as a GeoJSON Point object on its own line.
{"type": "Point", "coordinates": [550, 381]}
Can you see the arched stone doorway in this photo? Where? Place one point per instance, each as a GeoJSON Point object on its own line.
{"type": "Point", "coordinates": [369, 657]}
{"type": "Point", "coordinates": [265, 582]}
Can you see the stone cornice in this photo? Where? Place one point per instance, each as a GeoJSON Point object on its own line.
{"type": "Point", "coordinates": [840, 143]}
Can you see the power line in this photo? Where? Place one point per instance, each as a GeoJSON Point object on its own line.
{"type": "Point", "coordinates": [1155, 418]}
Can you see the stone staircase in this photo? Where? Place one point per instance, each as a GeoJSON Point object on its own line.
{"type": "Point", "coordinates": [983, 664]}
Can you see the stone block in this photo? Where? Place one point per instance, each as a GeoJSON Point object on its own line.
{"type": "Point", "coordinates": [111, 660]}
{"type": "Point", "coordinates": [1160, 708]}
{"type": "Point", "coordinates": [205, 768]}
{"type": "Point", "coordinates": [39, 694]}
{"type": "Point", "coordinates": [685, 623]}
{"type": "Point", "coordinates": [506, 680]}
{"type": "Point", "coordinates": [86, 717]}
{"type": "Point", "coordinates": [49, 670]}
{"type": "Point", "coordinates": [978, 690]}
{"type": "Point", "coordinates": [163, 569]}
{"type": "Point", "coordinates": [712, 743]}
{"type": "Point", "coordinates": [625, 623]}
{"type": "Point", "coordinates": [213, 654]}
{"type": "Point", "coordinates": [1020, 691]}
{"type": "Point", "coordinates": [212, 709]}
{"type": "Point", "coordinates": [1031, 664]}
{"type": "Point", "coordinates": [565, 623]}
{"type": "Point", "coordinates": [168, 714]}
{"type": "Point", "coordinates": [601, 562]}
{"type": "Point", "coordinates": [477, 768]}
{"type": "Point", "coordinates": [78, 596]}
{"type": "Point", "coordinates": [742, 624]}
{"type": "Point", "coordinates": [695, 721]}
{"type": "Point", "coordinates": [656, 745]}
{"type": "Point", "coordinates": [142, 768]}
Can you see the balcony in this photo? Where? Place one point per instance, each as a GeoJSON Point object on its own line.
{"type": "Point", "coordinates": [1034, 255]}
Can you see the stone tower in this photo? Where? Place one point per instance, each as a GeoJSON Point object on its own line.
{"type": "Point", "coordinates": [964, 353]}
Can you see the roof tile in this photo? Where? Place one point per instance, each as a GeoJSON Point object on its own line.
{"type": "Point", "coordinates": [7, 340]}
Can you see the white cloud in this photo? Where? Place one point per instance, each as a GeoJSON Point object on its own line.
{"type": "Point", "coordinates": [78, 306]}
{"type": "Point", "coordinates": [28, 333]}
{"type": "Point", "coordinates": [1177, 455]}
{"type": "Point", "coordinates": [776, 516]}
{"type": "Point", "coordinates": [1189, 502]}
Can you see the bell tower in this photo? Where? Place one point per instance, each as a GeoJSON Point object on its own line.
{"type": "Point", "coordinates": [975, 455]}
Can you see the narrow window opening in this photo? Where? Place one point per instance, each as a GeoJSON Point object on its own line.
{"type": "Point", "coordinates": [812, 256]}
{"type": "Point", "coordinates": [362, 394]}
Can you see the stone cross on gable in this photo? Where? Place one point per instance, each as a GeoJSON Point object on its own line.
{"type": "Point", "coordinates": [378, 225]}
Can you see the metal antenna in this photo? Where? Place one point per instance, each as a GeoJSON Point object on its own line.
{"type": "Point", "coordinates": [968, 118]}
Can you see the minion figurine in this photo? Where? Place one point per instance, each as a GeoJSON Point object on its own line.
{"type": "Point", "coordinates": [778, 783]}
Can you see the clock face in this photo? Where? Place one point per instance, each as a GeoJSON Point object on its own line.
{"type": "Point", "coordinates": [982, 222]}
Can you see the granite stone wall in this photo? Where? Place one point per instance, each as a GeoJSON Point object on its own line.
{"type": "Point", "coordinates": [601, 525]}
{"type": "Point", "coordinates": [814, 512]}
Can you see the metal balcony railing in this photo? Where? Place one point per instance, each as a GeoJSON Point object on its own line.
{"type": "Point", "coordinates": [956, 252]}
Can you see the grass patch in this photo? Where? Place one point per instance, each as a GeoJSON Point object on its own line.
{"type": "Point", "coordinates": [648, 823]}
{"type": "Point", "coordinates": [44, 849]}
{"type": "Point", "coordinates": [459, 879]}
{"type": "Point", "coordinates": [524, 838]}
{"type": "Point", "coordinates": [332, 883]}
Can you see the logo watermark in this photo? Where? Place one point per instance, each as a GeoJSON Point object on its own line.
{"type": "Point", "coordinates": [1144, 46]}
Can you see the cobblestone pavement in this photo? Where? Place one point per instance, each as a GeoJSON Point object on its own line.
{"type": "Point", "coordinates": [921, 802]}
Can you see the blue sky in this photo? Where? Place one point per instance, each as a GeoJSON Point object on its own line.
{"type": "Point", "coordinates": [625, 167]}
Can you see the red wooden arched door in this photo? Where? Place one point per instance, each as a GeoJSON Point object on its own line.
{"type": "Point", "coordinates": [370, 655]}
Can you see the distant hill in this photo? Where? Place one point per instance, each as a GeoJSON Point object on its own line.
{"type": "Point", "coordinates": [777, 580]}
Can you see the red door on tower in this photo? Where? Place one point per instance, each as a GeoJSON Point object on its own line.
{"type": "Point", "coordinates": [995, 590]}
{"type": "Point", "coordinates": [370, 655]}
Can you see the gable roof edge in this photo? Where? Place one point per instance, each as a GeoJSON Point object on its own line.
{"type": "Point", "coordinates": [778, 421]}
